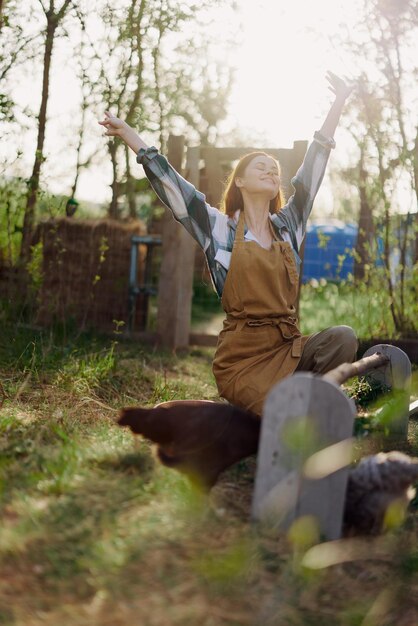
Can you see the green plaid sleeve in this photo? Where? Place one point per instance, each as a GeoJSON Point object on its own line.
{"type": "Point", "coordinates": [294, 215]}
{"type": "Point", "coordinates": [187, 204]}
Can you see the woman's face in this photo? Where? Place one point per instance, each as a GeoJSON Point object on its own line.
{"type": "Point", "coordinates": [260, 176]}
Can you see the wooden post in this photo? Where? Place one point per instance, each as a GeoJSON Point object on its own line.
{"type": "Point", "coordinates": [176, 276]}
{"type": "Point", "coordinates": [304, 453]}
{"type": "Point", "coordinates": [214, 176]}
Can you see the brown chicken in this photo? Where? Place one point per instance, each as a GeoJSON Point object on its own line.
{"type": "Point", "coordinates": [198, 437]}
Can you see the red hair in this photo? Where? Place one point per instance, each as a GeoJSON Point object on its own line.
{"type": "Point", "coordinates": [232, 200]}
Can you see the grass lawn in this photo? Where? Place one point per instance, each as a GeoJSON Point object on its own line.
{"type": "Point", "coordinates": [95, 531]}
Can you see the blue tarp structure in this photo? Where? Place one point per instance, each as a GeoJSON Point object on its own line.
{"type": "Point", "coordinates": [329, 248]}
{"type": "Point", "coordinates": [325, 245]}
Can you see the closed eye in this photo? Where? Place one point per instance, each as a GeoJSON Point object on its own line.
{"type": "Point", "coordinates": [260, 166]}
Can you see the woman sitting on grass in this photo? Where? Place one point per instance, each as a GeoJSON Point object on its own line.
{"type": "Point", "coordinates": [252, 249]}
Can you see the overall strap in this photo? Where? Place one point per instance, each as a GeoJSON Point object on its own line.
{"type": "Point", "coordinates": [273, 232]}
{"type": "Point", "coordinates": [240, 228]}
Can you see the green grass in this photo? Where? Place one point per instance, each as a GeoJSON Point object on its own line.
{"type": "Point", "coordinates": [95, 531]}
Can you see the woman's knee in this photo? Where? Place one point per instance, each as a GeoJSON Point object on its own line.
{"type": "Point", "coordinates": [347, 339]}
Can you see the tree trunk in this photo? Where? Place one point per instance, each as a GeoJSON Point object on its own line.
{"type": "Point", "coordinates": [113, 211]}
{"type": "Point", "coordinates": [79, 146]}
{"type": "Point", "coordinates": [415, 162]}
{"type": "Point", "coordinates": [130, 188]}
{"type": "Point", "coordinates": [130, 117]}
{"type": "Point", "coordinates": [365, 228]}
{"type": "Point", "coordinates": [86, 90]}
{"type": "Point", "coordinates": [1, 14]}
{"type": "Point", "coordinates": [33, 183]}
{"type": "Point", "coordinates": [155, 55]}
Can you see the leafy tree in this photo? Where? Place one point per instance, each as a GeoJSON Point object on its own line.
{"type": "Point", "coordinates": [83, 59]}
{"type": "Point", "coordinates": [17, 47]}
{"type": "Point", "coordinates": [134, 58]}
{"type": "Point", "coordinates": [146, 86]}
{"type": "Point", "coordinates": [382, 122]}
{"type": "Point", "coordinates": [54, 15]}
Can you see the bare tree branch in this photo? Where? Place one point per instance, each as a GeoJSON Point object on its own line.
{"type": "Point", "coordinates": [15, 54]}
{"type": "Point", "coordinates": [45, 10]}
{"type": "Point", "coordinates": [63, 10]}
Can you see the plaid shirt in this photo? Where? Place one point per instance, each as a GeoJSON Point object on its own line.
{"type": "Point", "coordinates": [214, 231]}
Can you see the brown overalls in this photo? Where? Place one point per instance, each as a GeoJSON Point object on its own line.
{"type": "Point", "coordinates": [260, 342]}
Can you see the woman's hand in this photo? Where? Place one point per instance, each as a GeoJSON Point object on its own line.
{"type": "Point", "coordinates": [341, 91]}
{"type": "Point", "coordinates": [115, 127]}
{"type": "Point", "coordinates": [338, 86]}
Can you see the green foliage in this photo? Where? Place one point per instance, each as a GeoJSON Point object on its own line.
{"type": "Point", "coordinates": [84, 373]}
{"type": "Point", "coordinates": [365, 392]}
{"type": "Point", "coordinates": [12, 203]}
{"type": "Point", "coordinates": [362, 306]}
{"type": "Point", "coordinates": [382, 303]}
{"type": "Point", "coordinates": [13, 193]}
{"type": "Point", "coordinates": [383, 131]}
{"type": "Point", "coordinates": [103, 248]}
{"type": "Point", "coordinates": [164, 391]}
{"type": "Point", "coordinates": [410, 564]}
{"type": "Point", "coordinates": [50, 205]}
{"type": "Point", "coordinates": [323, 240]}
{"type": "Point", "coordinates": [34, 266]}
{"type": "Point", "coordinates": [229, 566]}
{"type": "Point", "coordinates": [304, 532]}
{"type": "Point", "coordinates": [380, 406]}
{"type": "Point", "coordinates": [205, 303]}
{"type": "Point", "coordinates": [76, 481]}
{"type": "Point", "coordinates": [147, 211]}
{"type": "Point", "coordinates": [6, 108]}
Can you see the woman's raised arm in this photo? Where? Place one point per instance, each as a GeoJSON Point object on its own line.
{"type": "Point", "coordinates": [188, 205]}
{"type": "Point", "coordinates": [341, 92]}
{"type": "Point", "coordinates": [309, 177]}
{"type": "Point", "coordinates": [116, 127]}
